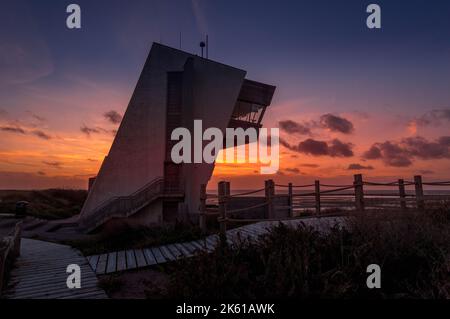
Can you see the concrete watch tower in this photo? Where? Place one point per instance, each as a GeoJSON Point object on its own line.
{"type": "Point", "coordinates": [137, 183]}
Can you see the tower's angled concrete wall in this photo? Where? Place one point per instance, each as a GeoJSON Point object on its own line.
{"type": "Point", "coordinates": [137, 154]}
{"type": "Point", "coordinates": [211, 91]}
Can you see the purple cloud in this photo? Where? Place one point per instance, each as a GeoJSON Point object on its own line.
{"type": "Point", "coordinates": [359, 167]}
{"type": "Point", "coordinates": [113, 117]}
{"type": "Point", "coordinates": [293, 127]}
{"type": "Point", "coordinates": [336, 123]}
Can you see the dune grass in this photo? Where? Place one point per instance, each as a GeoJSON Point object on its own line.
{"type": "Point", "coordinates": [412, 249]}
{"type": "Point", "coordinates": [45, 204]}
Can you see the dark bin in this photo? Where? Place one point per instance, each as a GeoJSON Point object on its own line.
{"type": "Point", "coordinates": [21, 208]}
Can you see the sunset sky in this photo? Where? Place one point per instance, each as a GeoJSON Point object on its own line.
{"type": "Point", "coordinates": [348, 99]}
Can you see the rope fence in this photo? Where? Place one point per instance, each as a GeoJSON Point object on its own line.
{"type": "Point", "coordinates": [248, 193]}
{"type": "Point", "coordinates": [247, 208]}
{"type": "Point", "coordinates": [338, 186]}
{"type": "Point", "coordinates": [437, 184]}
{"type": "Point", "coordinates": [381, 184]}
{"type": "Point", "coordinates": [295, 186]}
{"type": "Point", "coordinates": [285, 206]}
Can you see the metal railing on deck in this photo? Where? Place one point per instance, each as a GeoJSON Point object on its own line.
{"type": "Point", "coordinates": [124, 206]}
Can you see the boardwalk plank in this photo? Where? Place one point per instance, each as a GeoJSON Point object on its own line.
{"type": "Point", "coordinates": [55, 294]}
{"type": "Point", "coordinates": [245, 234]}
{"type": "Point", "coordinates": [112, 263]}
{"type": "Point", "coordinates": [42, 270]}
{"type": "Point", "coordinates": [166, 253]}
{"type": "Point", "coordinates": [101, 266]}
{"type": "Point", "coordinates": [249, 230]}
{"type": "Point", "coordinates": [199, 245]}
{"type": "Point", "coordinates": [160, 259]}
{"type": "Point", "coordinates": [38, 286]}
{"type": "Point", "coordinates": [175, 251]}
{"type": "Point", "coordinates": [93, 262]}
{"type": "Point", "coordinates": [209, 246]}
{"type": "Point", "coordinates": [190, 248]}
{"type": "Point", "coordinates": [140, 258]}
{"type": "Point", "coordinates": [151, 260]}
{"type": "Point", "coordinates": [212, 240]}
{"type": "Point", "coordinates": [51, 287]}
{"type": "Point", "coordinates": [131, 259]}
{"type": "Point", "coordinates": [186, 250]}
{"type": "Point", "coordinates": [43, 277]}
{"type": "Point", "coordinates": [90, 295]}
{"type": "Point", "coordinates": [183, 252]}
{"type": "Point", "coordinates": [258, 228]}
{"type": "Point", "coordinates": [121, 261]}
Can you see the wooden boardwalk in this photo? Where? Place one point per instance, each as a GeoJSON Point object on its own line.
{"type": "Point", "coordinates": [138, 258]}
{"type": "Point", "coordinates": [40, 273]}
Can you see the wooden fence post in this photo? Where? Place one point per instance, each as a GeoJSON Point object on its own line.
{"type": "Point", "coordinates": [290, 200]}
{"type": "Point", "coordinates": [17, 240]}
{"type": "Point", "coordinates": [270, 192]}
{"type": "Point", "coordinates": [419, 192]}
{"type": "Point", "coordinates": [402, 194]}
{"type": "Point", "coordinates": [222, 193]}
{"type": "Point", "coordinates": [203, 208]}
{"type": "Point", "coordinates": [317, 195]}
{"type": "Point", "coordinates": [359, 192]}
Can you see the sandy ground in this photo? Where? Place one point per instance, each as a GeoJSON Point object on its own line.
{"type": "Point", "coordinates": [138, 284]}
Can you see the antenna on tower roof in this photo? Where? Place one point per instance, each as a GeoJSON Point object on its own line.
{"type": "Point", "coordinates": [207, 46]}
{"type": "Point", "coordinates": [202, 46]}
